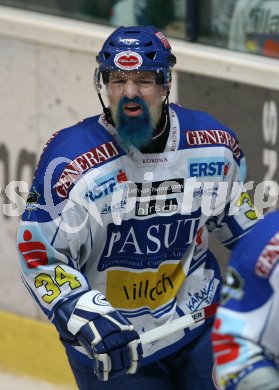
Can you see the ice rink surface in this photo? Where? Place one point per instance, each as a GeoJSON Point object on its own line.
{"type": "Point", "coordinates": [13, 382]}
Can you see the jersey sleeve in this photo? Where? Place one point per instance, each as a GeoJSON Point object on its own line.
{"type": "Point", "coordinates": [236, 214]}
{"type": "Point", "coordinates": [53, 239]}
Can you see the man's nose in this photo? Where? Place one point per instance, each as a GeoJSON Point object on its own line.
{"type": "Point", "coordinates": [131, 89]}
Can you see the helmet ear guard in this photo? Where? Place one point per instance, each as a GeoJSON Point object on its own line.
{"type": "Point", "coordinates": [172, 60]}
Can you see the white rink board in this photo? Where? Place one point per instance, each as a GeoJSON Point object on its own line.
{"type": "Point", "coordinates": [42, 89]}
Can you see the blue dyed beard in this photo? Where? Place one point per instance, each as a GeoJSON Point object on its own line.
{"type": "Point", "coordinates": [134, 130]}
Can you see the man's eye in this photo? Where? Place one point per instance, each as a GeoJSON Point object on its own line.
{"type": "Point", "coordinates": [146, 82]}
{"type": "Point", "coordinates": [117, 82]}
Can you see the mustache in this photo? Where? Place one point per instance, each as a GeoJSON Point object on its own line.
{"type": "Point", "coordinates": [124, 100]}
{"type": "Point", "coordinates": [136, 99]}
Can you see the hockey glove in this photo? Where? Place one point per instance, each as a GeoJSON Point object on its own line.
{"type": "Point", "coordinates": [108, 337]}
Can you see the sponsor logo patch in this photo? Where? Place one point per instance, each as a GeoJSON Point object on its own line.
{"type": "Point", "coordinates": [156, 188]}
{"type": "Point", "coordinates": [148, 244]}
{"type": "Point", "coordinates": [32, 201]}
{"type": "Point", "coordinates": [116, 208]}
{"type": "Point", "coordinates": [212, 192]}
{"type": "Point", "coordinates": [268, 258]}
{"type": "Point", "coordinates": [208, 167]}
{"type": "Point", "coordinates": [100, 300]}
{"type": "Point", "coordinates": [225, 346]}
{"type": "Point", "coordinates": [156, 207]}
{"type": "Point", "coordinates": [106, 185]}
{"type": "Point", "coordinates": [149, 289]}
{"type": "Point", "coordinates": [163, 39]}
{"type": "Point", "coordinates": [128, 60]}
{"type": "Point", "coordinates": [82, 163]}
{"type": "Point", "coordinates": [33, 252]}
{"type": "Point", "coordinates": [128, 41]}
{"type": "Point", "coordinates": [213, 137]}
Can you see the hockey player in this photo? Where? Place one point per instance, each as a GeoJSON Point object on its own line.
{"type": "Point", "coordinates": [246, 335]}
{"type": "Point", "coordinates": [114, 239]}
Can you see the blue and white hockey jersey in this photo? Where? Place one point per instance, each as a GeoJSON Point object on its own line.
{"type": "Point", "coordinates": [246, 336]}
{"type": "Point", "coordinates": [135, 226]}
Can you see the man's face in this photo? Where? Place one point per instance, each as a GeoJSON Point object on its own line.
{"type": "Point", "coordinates": [136, 105]}
{"type": "Point", "coordinates": [135, 86]}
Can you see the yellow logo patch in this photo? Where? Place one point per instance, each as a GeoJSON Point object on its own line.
{"type": "Point", "coordinates": [132, 290]}
{"type": "Point", "coordinates": [252, 213]}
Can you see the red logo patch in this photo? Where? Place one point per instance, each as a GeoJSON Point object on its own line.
{"type": "Point", "coordinates": [225, 348]}
{"type": "Point", "coordinates": [163, 39]}
{"type": "Point", "coordinates": [34, 252]}
{"type": "Point", "coordinates": [81, 164]}
{"type": "Point", "coordinates": [128, 60]}
{"type": "Point", "coordinates": [268, 258]}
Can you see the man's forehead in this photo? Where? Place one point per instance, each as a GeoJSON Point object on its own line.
{"type": "Point", "coordinates": [131, 74]}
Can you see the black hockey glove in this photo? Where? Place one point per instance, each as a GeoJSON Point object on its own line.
{"type": "Point", "coordinates": [108, 337]}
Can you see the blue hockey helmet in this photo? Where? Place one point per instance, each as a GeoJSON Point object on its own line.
{"type": "Point", "coordinates": [137, 48]}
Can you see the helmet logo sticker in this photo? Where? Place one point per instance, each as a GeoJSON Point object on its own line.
{"type": "Point", "coordinates": [128, 60]}
{"type": "Point", "coordinates": [129, 41]}
{"type": "Point", "coordinates": [163, 39]}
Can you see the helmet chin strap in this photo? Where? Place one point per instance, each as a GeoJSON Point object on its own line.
{"type": "Point", "coordinates": [107, 111]}
{"type": "Point", "coordinates": [164, 114]}
{"type": "Point", "coordinates": [165, 104]}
